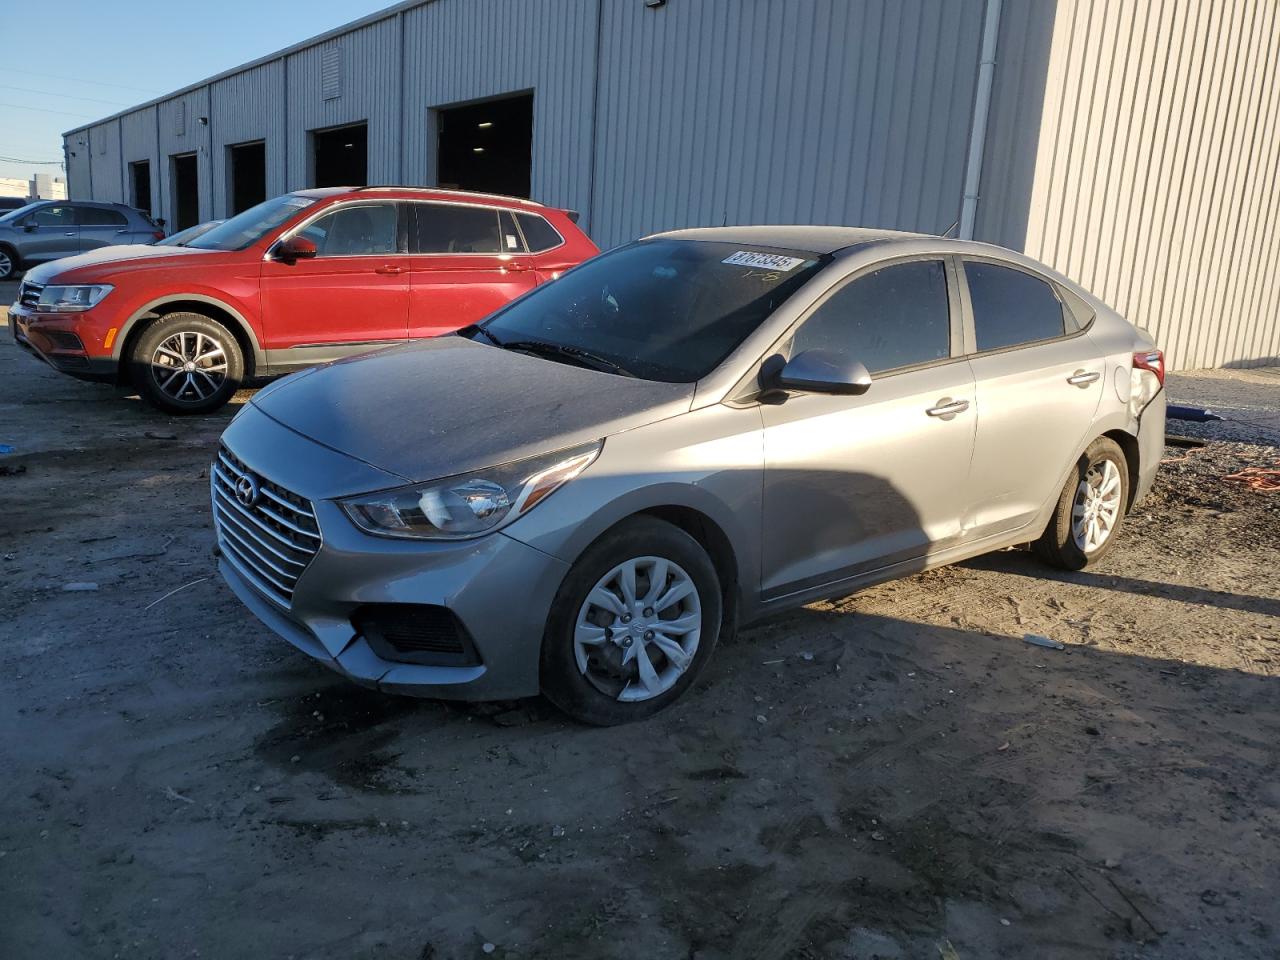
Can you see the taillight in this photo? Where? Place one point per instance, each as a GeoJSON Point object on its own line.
{"type": "Point", "coordinates": [1145, 379]}
{"type": "Point", "coordinates": [158, 234]}
{"type": "Point", "coordinates": [1152, 360]}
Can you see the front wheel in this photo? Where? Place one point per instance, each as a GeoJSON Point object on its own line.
{"type": "Point", "coordinates": [634, 622]}
{"type": "Point", "coordinates": [1090, 509]}
{"type": "Point", "coordinates": [186, 363]}
{"type": "Point", "coordinates": [8, 263]}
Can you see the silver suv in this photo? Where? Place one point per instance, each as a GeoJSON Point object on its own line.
{"type": "Point", "coordinates": [581, 493]}
{"type": "Point", "coordinates": [50, 229]}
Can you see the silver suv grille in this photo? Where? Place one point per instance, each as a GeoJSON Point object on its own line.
{"type": "Point", "coordinates": [269, 534]}
{"type": "Point", "coordinates": [29, 293]}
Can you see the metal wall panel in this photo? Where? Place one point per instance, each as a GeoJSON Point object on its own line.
{"type": "Point", "coordinates": [180, 131]}
{"type": "Point", "coordinates": [811, 111]}
{"type": "Point", "coordinates": [1141, 157]}
{"type": "Point", "coordinates": [138, 142]}
{"type": "Point", "coordinates": [248, 106]}
{"type": "Point", "coordinates": [462, 50]}
{"type": "Point", "coordinates": [79, 165]}
{"type": "Point", "coordinates": [370, 62]}
{"type": "Point", "coordinates": [104, 153]}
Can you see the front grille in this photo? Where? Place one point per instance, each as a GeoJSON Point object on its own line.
{"type": "Point", "coordinates": [272, 539]}
{"type": "Point", "coordinates": [29, 293]}
{"type": "Point", "coordinates": [415, 633]}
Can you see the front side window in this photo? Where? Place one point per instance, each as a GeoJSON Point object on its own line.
{"type": "Point", "coordinates": [245, 229]}
{"type": "Point", "coordinates": [1011, 307]}
{"type": "Point", "coordinates": [897, 316]}
{"type": "Point", "coordinates": [100, 217]}
{"type": "Point", "coordinates": [669, 310]}
{"type": "Point", "coordinates": [449, 228]}
{"type": "Point", "coordinates": [54, 217]}
{"type": "Point", "coordinates": [365, 230]}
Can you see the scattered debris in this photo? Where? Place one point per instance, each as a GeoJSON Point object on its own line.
{"type": "Point", "coordinates": [1187, 443]}
{"type": "Point", "coordinates": [761, 718]}
{"type": "Point", "coordinates": [877, 835]}
{"type": "Point", "coordinates": [6, 448]}
{"type": "Point", "coordinates": [557, 831]}
{"type": "Point", "coordinates": [1037, 640]}
{"type": "Point", "coordinates": [806, 655]}
{"type": "Point", "coordinates": [1003, 747]}
{"type": "Point", "coordinates": [171, 593]}
{"type": "Point", "coordinates": [769, 663]}
{"type": "Point", "coordinates": [153, 435]}
{"type": "Point", "coordinates": [79, 587]}
{"type": "Point", "coordinates": [1259, 479]}
{"type": "Point", "coordinates": [173, 794]}
{"type": "Point", "coordinates": [7, 471]}
{"type": "Point", "coordinates": [1177, 411]}
{"type": "Point", "coordinates": [1004, 922]}
{"type": "Point", "coordinates": [488, 948]}
{"type": "Point", "coordinates": [946, 951]}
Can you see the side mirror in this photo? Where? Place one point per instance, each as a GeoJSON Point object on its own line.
{"type": "Point", "coordinates": [824, 371]}
{"type": "Point", "coordinates": [294, 249]}
{"type": "Point", "coordinates": [29, 225]}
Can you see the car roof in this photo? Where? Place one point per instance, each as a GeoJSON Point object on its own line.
{"type": "Point", "coordinates": [814, 239]}
{"type": "Point", "coordinates": [425, 193]}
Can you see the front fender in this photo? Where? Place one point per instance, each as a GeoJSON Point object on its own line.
{"type": "Point", "coordinates": [222, 304]}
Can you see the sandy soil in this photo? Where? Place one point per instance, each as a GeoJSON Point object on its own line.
{"type": "Point", "coordinates": [893, 775]}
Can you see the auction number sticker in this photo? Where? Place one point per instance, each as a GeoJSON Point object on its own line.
{"type": "Point", "coordinates": [765, 261]}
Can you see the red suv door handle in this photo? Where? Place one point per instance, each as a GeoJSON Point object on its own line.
{"type": "Point", "coordinates": [517, 267]}
{"type": "Point", "coordinates": [389, 269]}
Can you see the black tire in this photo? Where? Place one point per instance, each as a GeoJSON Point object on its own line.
{"type": "Point", "coordinates": [10, 263]}
{"type": "Point", "coordinates": [205, 393]}
{"type": "Point", "coordinates": [1058, 545]}
{"type": "Point", "coordinates": [563, 682]}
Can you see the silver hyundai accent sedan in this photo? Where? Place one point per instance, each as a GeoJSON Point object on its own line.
{"type": "Point", "coordinates": [582, 493]}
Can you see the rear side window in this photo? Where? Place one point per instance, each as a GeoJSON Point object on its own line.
{"type": "Point", "coordinates": [1011, 307]}
{"type": "Point", "coordinates": [538, 234]}
{"type": "Point", "coordinates": [355, 231]}
{"type": "Point", "coordinates": [897, 316]}
{"type": "Point", "coordinates": [100, 217]}
{"type": "Point", "coordinates": [446, 228]}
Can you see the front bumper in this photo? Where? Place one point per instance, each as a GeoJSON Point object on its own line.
{"type": "Point", "coordinates": [59, 340]}
{"type": "Point", "coordinates": [500, 590]}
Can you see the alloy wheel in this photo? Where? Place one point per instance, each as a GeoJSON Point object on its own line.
{"type": "Point", "coordinates": [6, 264]}
{"type": "Point", "coordinates": [189, 366]}
{"type": "Point", "coordinates": [1096, 509]}
{"type": "Point", "coordinates": [638, 630]}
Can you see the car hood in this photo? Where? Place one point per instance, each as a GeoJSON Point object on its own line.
{"type": "Point", "coordinates": [441, 407]}
{"type": "Point", "coordinates": [101, 263]}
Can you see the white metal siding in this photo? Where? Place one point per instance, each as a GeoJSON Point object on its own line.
{"type": "Point", "coordinates": [138, 142]}
{"type": "Point", "coordinates": [187, 136]}
{"type": "Point", "coordinates": [248, 106]}
{"type": "Point", "coordinates": [104, 149]}
{"type": "Point", "coordinates": [1152, 173]}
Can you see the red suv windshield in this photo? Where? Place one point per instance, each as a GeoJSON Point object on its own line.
{"type": "Point", "coordinates": [245, 229]}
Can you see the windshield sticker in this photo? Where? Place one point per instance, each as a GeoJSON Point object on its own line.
{"type": "Point", "coordinates": [768, 261]}
{"type": "Point", "coordinates": [299, 202]}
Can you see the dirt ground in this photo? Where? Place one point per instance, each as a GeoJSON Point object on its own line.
{"type": "Point", "coordinates": [895, 775]}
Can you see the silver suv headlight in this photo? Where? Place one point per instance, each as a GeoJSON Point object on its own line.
{"type": "Point", "coordinates": [71, 299]}
{"type": "Point", "coordinates": [472, 503]}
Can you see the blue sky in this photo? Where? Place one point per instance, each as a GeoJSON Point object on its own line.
{"type": "Point", "coordinates": [114, 54]}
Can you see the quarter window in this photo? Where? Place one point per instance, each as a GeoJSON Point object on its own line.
{"type": "Point", "coordinates": [538, 234]}
{"type": "Point", "coordinates": [101, 217]}
{"type": "Point", "coordinates": [353, 231]}
{"type": "Point", "coordinates": [897, 316]}
{"type": "Point", "coordinates": [447, 228]}
{"type": "Point", "coordinates": [1011, 307]}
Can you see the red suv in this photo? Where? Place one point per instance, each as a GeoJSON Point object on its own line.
{"type": "Point", "coordinates": [301, 279]}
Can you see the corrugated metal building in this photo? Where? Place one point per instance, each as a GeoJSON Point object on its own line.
{"type": "Point", "coordinates": [1132, 144]}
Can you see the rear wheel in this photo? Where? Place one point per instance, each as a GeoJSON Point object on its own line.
{"type": "Point", "coordinates": [186, 363]}
{"type": "Point", "coordinates": [8, 263]}
{"type": "Point", "coordinates": [635, 621]}
{"type": "Point", "coordinates": [1090, 509]}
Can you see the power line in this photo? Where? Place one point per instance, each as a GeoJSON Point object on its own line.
{"type": "Point", "coordinates": [65, 113]}
{"type": "Point", "coordinates": [65, 96]}
{"type": "Point", "coordinates": [42, 162]}
{"type": "Point", "coordinates": [96, 83]}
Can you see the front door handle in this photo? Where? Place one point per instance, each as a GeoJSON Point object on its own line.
{"type": "Point", "coordinates": [1082, 378]}
{"type": "Point", "coordinates": [388, 269]}
{"type": "Point", "coordinates": [517, 267]}
{"type": "Point", "coordinates": [948, 408]}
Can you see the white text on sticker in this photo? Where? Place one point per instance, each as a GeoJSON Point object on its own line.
{"type": "Point", "coordinates": [768, 261]}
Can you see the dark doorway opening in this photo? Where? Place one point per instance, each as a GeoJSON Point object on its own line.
{"type": "Point", "coordinates": [247, 168]}
{"type": "Point", "coordinates": [340, 156]}
{"type": "Point", "coordinates": [140, 185]}
{"type": "Point", "coordinates": [487, 146]}
{"type": "Point", "coordinates": [186, 191]}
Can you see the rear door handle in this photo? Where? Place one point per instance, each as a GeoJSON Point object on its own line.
{"type": "Point", "coordinates": [388, 269]}
{"type": "Point", "coordinates": [70, 233]}
{"type": "Point", "coordinates": [1082, 378]}
{"type": "Point", "coordinates": [948, 408]}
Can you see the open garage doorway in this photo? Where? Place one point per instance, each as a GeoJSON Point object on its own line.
{"type": "Point", "coordinates": [185, 178]}
{"type": "Point", "coordinates": [247, 175]}
{"type": "Point", "coordinates": [140, 185]}
{"type": "Point", "coordinates": [340, 156]}
{"type": "Point", "coordinates": [486, 146]}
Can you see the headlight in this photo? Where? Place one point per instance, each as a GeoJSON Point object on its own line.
{"type": "Point", "coordinates": [71, 299]}
{"type": "Point", "coordinates": [472, 503]}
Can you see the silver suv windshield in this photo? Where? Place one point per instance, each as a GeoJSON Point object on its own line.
{"type": "Point", "coordinates": [245, 229]}
{"type": "Point", "coordinates": [668, 310]}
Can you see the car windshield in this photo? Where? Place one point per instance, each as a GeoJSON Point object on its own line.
{"type": "Point", "coordinates": [662, 309]}
{"type": "Point", "coordinates": [20, 212]}
{"type": "Point", "coordinates": [245, 229]}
